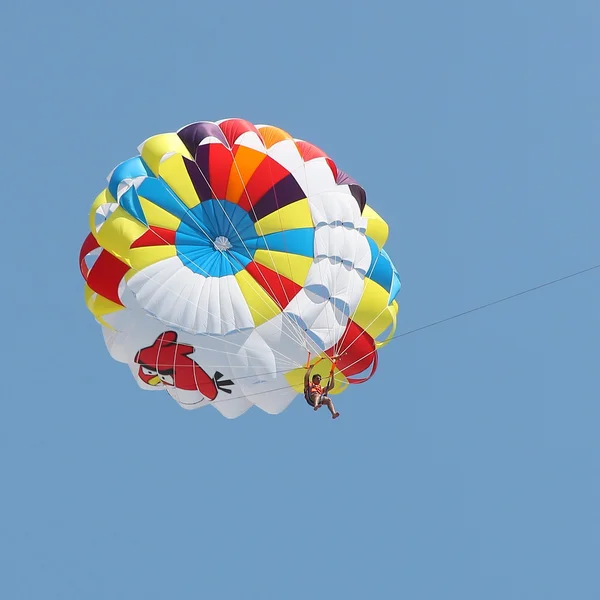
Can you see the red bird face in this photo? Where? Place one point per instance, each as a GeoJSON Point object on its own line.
{"type": "Point", "coordinates": [153, 377]}
{"type": "Point", "coordinates": [168, 363]}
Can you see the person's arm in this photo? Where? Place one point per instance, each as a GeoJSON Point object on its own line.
{"type": "Point", "coordinates": [330, 383]}
{"type": "Point", "coordinates": [307, 377]}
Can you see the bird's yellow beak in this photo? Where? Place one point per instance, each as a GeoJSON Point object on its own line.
{"type": "Point", "coordinates": [154, 381]}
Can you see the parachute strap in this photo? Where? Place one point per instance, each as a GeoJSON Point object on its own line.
{"type": "Point", "coordinates": [89, 245]}
{"type": "Point", "coordinates": [374, 364]}
{"type": "Point", "coordinates": [316, 362]}
{"type": "Point", "coordinates": [104, 197]}
{"type": "Point", "coordinates": [333, 361]}
{"type": "Point", "coordinates": [393, 310]}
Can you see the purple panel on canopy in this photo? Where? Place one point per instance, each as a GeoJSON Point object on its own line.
{"type": "Point", "coordinates": [193, 134]}
{"type": "Point", "coordinates": [200, 181]}
{"type": "Point", "coordinates": [281, 194]}
{"type": "Point", "coordinates": [202, 158]}
{"type": "Point", "coordinates": [356, 190]}
{"type": "Point", "coordinates": [359, 195]}
{"type": "Point", "coordinates": [344, 179]}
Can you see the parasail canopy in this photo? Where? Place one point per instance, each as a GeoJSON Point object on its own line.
{"type": "Point", "coordinates": [226, 257]}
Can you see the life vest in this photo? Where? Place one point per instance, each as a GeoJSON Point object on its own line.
{"type": "Point", "coordinates": [312, 387]}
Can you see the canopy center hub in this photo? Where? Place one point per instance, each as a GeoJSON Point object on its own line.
{"type": "Point", "coordinates": [222, 243]}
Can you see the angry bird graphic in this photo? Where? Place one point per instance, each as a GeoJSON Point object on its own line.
{"type": "Point", "coordinates": [168, 363]}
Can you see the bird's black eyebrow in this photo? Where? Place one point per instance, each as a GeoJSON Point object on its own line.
{"type": "Point", "coordinates": [167, 371]}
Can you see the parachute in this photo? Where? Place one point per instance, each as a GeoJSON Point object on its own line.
{"type": "Point", "coordinates": [227, 257]}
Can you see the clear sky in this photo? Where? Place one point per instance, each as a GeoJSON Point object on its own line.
{"type": "Point", "coordinates": [468, 468]}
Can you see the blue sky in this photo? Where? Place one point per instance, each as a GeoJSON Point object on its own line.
{"type": "Point", "coordinates": [468, 467]}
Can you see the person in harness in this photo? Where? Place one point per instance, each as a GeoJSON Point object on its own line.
{"type": "Point", "coordinates": [316, 395]}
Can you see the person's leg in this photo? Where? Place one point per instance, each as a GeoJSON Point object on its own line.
{"type": "Point", "coordinates": [316, 398]}
{"type": "Point", "coordinates": [329, 403]}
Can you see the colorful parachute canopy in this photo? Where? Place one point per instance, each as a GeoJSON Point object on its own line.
{"type": "Point", "coordinates": [226, 257]}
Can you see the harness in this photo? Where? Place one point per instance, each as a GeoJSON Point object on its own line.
{"type": "Point", "coordinates": [307, 396]}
